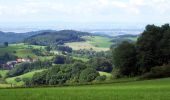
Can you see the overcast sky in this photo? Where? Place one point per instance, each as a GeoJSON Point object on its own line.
{"type": "Point", "coordinates": [66, 13]}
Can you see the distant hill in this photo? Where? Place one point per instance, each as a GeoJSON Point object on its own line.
{"type": "Point", "coordinates": [12, 37]}
{"type": "Point", "coordinates": [56, 37]}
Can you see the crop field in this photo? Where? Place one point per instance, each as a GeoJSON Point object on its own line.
{"type": "Point", "coordinates": [96, 43]}
{"type": "Point", "coordinates": [139, 90]}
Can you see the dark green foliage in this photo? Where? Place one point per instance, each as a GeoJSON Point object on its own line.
{"type": "Point", "coordinates": [38, 52]}
{"type": "Point", "coordinates": [39, 78]}
{"type": "Point", "coordinates": [101, 64]}
{"type": "Point", "coordinates": [59, 59]}
{"type": "Point", "coordinates": [48, 48]}
{"type": "Point", "coordinates": [6, 44]}
{"type": "Point", "coordinates": [100, 78]}
{"type": "Point", "coordinates": [88, 75]}
{"type": "Point", "coordinates": [124, 58]}
{"type": "Point", "coordinates": [18, 79]}
{"type": "Point", "coordinates": [65, 73]}
{"type": "Point", "coordinates": [0, 76]}
{"type": "Point", "coordinates": [6, 57]}
{"type": "Point", "coordinates": [157, 72]}
{"type": "Point", "coordinates": [53, 38]}
{"type": "Point", "coordinates": [153, 47]}
{"type": "Point", "coordinates": [27, 67]}
{"type": "Point", "coordinates": [64, 49]}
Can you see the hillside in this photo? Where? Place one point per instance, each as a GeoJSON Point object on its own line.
{"type": "Point", "coordinates": [13, 37]}
{"type": "Point", "coordinates": [58, 37]}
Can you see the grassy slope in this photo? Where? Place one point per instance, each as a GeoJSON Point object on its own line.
{"type": "Point", "coordinates": [3, 72]}
{"type": "Point", "coordinates": [27, 75]}
{"type": "Point", "coordinates": [97, 43]}
{"type": "Point", "coordinates": [22, 50]}
{"type": "Point", "coordinates": [140, 90]}
{"type": "Point", "coordinates": [108, 75]}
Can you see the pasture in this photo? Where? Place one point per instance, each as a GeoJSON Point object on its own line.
{"type": "Point", "coordinates": [139, 90]}
{"type": "Point", "coordinates": [96, 43]}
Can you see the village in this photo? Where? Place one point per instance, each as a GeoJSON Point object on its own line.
{"type": "Point", "coordinates": [11, 64]}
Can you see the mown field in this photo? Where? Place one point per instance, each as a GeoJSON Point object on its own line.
{"type": "Point", "coordinates": [96, 43]}
{"type": "Point", "coordinates": [140, 90]}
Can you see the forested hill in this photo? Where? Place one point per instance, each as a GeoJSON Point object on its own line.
{"type": "Point", "coordinates": [58, 37]}
{"type": "Point", "coordinates": [11, 37]}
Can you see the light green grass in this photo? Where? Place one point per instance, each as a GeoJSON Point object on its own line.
{"type": "Point", "coordinates": [108, 75]}
{"type": "Point", "coordinates": [96, 43]}
{"type": "Point", "coordinates": [99, 41]}
{"type": "Point", "coordinates": [140, 90]}
{"type": "Point", "coordinates": [3, 72]}
{"type": "Point", "coordinates": [81, 58]}
{"type": "Point", "coordinates": [23, 51]}
{"type": "Point", "coordinates": [27, 75]}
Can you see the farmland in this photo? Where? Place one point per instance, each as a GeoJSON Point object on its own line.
{"type": "Point", "coordinates": [139, 90]}
{"type": "Point", "coordinates": [96, 43]}
{"type": "Point", "coordinates": [21, 50]}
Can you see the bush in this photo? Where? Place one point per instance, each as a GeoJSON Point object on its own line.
{"type": "Point", "coordinates": [101, 78]}
{"type": "Point", "coordinates": [0, 76]}
{"type": "Point", "coordinates": [157, 72]}
{"type": "Point", "coordinates": [18, 79]}
{"type": "Point", "coordinates": [88, 75]}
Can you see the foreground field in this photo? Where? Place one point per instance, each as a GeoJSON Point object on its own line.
{"type": "Point", "coordinates": [139, 90]}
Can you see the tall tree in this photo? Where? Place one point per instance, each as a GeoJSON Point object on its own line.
{"type": "Point", "coordinates": [124, 58]}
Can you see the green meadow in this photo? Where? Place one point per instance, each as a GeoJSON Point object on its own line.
{"type": "Point", "coordinates": [139, 90]}
{"type": "Point", "coordinates": [97, 43]}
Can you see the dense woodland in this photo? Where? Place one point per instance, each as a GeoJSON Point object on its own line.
{"type": "Point", "coordinates": [56, 38]}
{"type": "Point", "coordinates": [144, 57]}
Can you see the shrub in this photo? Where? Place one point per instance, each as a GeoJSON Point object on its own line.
{"type": "Point", "coordinates": [88, 75]}
{"type": "Point", "coordinates": [157, 72]}
{"type": "Point", "coordinates": [18, 79]}
{"type": "Point", "coordinates": [101, 78]}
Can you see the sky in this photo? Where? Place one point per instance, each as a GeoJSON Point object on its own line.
{"type": "Point", "coordinates": [83, 13]}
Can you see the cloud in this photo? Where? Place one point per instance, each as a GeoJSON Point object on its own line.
{"type": "Point", "coordinates": [84, 10]}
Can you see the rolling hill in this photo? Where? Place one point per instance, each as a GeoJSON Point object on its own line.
{"type": "Point", "coordinates": [58, 37]}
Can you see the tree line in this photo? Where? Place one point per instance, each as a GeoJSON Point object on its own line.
{"type": "Point", "coordinates": [151, 52]}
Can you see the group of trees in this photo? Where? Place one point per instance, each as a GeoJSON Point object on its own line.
{"type": "Point", "coordinates": [77, 72]}
{"type": "Point", "coordinates": [5, 57]}
{"type": "Point", "coordinates": [22, 68]}
{"type": "Point", "coordinates": [151, 49]}
{"type": "Point", "coordinates": [55, 38]}
{"type": "Point", "coordinates": [101, 64]}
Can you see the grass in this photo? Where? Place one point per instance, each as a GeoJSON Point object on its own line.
{"type": "Point", "coordinates": [139, 90]}
{"type": "Point", "coordinates": [81, 58]}
{"type": "Point", "coordinates": [97, 43]}
{"type": "Point", "coordinates": [108, 75]}
{"type": "Point", "coordinates": [27, 75]}
{"type": "Point", "coordinates": [3, 72]}
{"type": "Point", "coordinates": [22, 50]}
